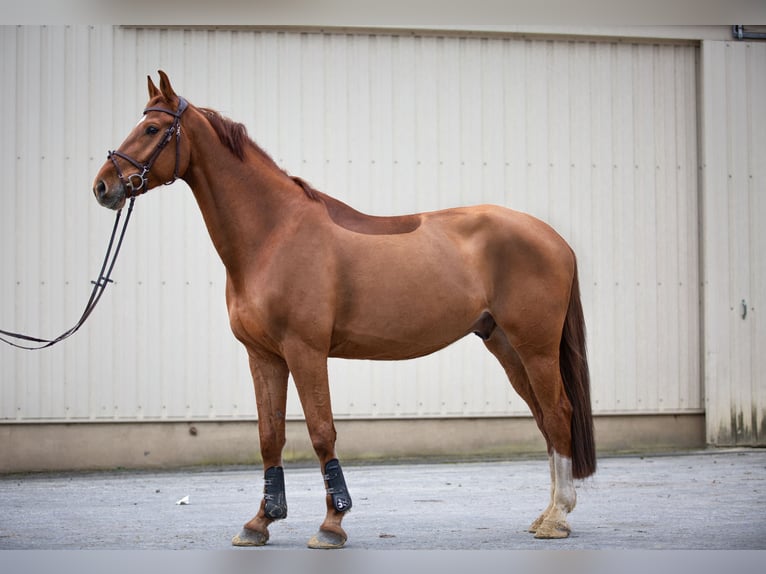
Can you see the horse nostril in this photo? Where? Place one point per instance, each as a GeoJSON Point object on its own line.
{"type": "Point", "coordinates": [100, 189]}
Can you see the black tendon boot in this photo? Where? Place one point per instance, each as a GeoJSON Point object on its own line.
{"type": "Point", "coordinates": [274, 493]}
{"type": "Point", "coordinates": [336, 486]}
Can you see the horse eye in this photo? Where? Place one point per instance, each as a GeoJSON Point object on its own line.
{"type": "Point", "coordinates": [151, 130]}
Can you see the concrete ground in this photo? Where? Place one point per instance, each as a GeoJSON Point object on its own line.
{"type": "Point", "coordinates": [713, 499]}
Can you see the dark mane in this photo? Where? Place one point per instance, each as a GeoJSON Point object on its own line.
{"type": "Point", "coordinates": [234, 136]}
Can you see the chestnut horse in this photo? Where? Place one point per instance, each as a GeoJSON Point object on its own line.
{"type": "Point", "coordinates": [308, 277]}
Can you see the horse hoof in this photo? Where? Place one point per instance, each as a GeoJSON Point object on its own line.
{"type": "Point", "coordinates": [552, 530]}
{"type": "Point", "coordinates": [536, 524]}
{"type": "Point", "coordinates": [250, 538]}
{"type": "Point", "coordinates": [326, 540]}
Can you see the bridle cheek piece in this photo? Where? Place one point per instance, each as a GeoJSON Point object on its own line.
{"type": "Point", "coordinates": [137, 183]}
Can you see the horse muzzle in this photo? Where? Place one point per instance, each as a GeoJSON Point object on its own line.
{"type": "Point", "coordinates": [110, 197]}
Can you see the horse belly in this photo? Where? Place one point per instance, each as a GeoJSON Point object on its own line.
{"type": "Point", "coordinates": [380, 348]}
{"type": "Point", "coordinates": [406, 316]}
{"type": "Point", "coordinates": [383, 348]}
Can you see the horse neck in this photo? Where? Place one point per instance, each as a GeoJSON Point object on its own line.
{"type": "Point", "coordinates": [242, 202]}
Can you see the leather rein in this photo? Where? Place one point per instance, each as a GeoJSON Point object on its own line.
{"type": "Point", "coordinates": [131, 191]}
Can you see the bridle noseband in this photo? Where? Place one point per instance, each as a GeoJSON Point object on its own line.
{"type": "Point", "coordinates": [142, 178]}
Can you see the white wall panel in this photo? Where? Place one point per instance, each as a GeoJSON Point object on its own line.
{"type": "Point", "coordinates": [597, 138]}
{"type": "Point", "coordinates": [52, 121]}
{"type": "Point", "coordinates": [734, 117]}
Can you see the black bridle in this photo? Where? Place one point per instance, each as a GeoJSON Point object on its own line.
{"type": "Point", "coordinates": [132, 190]}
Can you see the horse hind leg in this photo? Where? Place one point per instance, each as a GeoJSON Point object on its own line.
{"type": "Point", "coordinates": [556, 415]}
{"type": "Point", "coordinates": [552, 522]}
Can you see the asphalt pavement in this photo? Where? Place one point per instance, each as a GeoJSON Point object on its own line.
{"type": "Point", "coordinates": [713, 499]}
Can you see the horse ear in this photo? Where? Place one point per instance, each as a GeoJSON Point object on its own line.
{"type": "Point", "coordinates": [166, 88]}
{"type": "Point", "coordinates": [153, 90]}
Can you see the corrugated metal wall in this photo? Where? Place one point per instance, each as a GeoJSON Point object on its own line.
{"type": "Point", "coordinates": [597, 138]}
{"type": "Point", "coordinates": [734, 212]}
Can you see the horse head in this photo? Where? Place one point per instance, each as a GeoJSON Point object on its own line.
{"type": "Point", "coordinates": [139, 164]}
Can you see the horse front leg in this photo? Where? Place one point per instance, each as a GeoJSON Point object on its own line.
{"type": "Point", "coordinates": [309, 369]}
{"type": "Point", "coordinates": [270, 381]}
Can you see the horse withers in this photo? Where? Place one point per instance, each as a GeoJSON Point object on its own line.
{"type": "Point", "coordinates": [308, 277]}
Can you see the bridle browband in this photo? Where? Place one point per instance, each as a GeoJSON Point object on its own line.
{"type": "Point", "coordinates": [132, 190]}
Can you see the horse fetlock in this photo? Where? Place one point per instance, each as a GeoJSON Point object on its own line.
{"type": "Point", "coordinates": [565, 495]}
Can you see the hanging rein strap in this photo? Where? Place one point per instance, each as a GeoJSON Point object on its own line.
{"type": "Point", "coordinates": [104, 278]}
{"type": "Point", "coordinates": [131, 191]}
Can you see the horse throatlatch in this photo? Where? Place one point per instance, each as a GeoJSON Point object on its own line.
{"type": "Point", "coordinates": [275, 505]}
{"type": "Point", "coordinates": [336, 486]}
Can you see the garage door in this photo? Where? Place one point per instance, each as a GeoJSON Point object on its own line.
{"type": "Point", "coordinates": [597, 138]}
